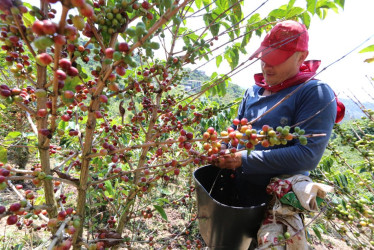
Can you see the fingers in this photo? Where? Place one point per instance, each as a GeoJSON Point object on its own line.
{"type": "Point", "coordinates": [228, 161]}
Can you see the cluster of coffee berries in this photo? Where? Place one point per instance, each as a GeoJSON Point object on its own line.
{"type": "Point", "coordinates": [248, 137]}
{"type": "Point", "coordinates": [111, 19]}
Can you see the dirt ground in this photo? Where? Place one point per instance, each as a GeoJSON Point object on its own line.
{"type": "Point", "coordinates": [174, 233]}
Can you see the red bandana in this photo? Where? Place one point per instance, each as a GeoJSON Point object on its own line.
{"type": "Point", "coordinates": [307, 70]}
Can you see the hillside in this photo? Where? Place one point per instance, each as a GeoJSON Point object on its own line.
{"type": "Point", "coordinates": [352, 109]}
{"type": "Point", "coordinates": [234, 91]}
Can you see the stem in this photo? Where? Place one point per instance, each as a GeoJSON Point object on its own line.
{"type": "Point", "coordinates": [89, 136]}
{"type": "Point", "coordinates": [163, 19]}
{"type": "Point", "coordinates": [30, 177]}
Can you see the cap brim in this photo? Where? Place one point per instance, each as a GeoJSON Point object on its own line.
{"type": "Point", "coordinates": [271, 56]}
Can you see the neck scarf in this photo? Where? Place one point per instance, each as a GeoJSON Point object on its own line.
{"type": "Point", "coordinates": [307, 71]}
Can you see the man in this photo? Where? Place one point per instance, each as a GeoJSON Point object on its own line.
{"type": "Point", "coordinates": [313, 107]}
{"type": "Point", "coordinates": [307, 103]}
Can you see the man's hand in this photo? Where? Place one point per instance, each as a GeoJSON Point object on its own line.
{"type": "Point", "coordinates": [229, 161]}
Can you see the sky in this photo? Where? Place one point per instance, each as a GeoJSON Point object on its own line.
{"type": "Point", "coordinates": [329, 40]}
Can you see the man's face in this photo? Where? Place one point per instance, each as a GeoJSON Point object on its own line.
{"type": "Point", "coordinates": [279, 73]}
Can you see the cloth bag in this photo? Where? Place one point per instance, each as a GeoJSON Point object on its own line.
{"type": "Point", "coordinates": [281, 218]}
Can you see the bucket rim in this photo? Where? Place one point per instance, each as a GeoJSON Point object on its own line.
{"type": "Point", "coordinates": [221, 204]}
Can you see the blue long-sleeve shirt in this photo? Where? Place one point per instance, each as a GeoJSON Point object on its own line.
{"type": "Point", "coordinates": [314, 103]}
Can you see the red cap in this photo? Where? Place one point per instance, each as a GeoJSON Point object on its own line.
{"type": "Point", "coordinates": [283, 40]}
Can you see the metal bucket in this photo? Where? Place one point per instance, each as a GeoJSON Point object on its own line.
{"type": "Point", "coordinates": [224, 222]}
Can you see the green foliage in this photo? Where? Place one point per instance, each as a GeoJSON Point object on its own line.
{"type": "Point", "coordinates": [348, 165]}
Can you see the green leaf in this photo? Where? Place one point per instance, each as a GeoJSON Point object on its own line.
{"type": "Point", "coordinates": [162, 201]}
{"type": "Point", "coordinates": [198, 3]}
{"type": "Point", "coordinates": [254, 18]}
{"type": "Point", "coordinates": [3, 155]}
{"type": "Point", "coordinates": [13, 135]}
{"type": "Point", "coordinates": [343, 180]}
{"type": "Point", "coordinates": [109, 188]}
{"type": "Point", "coordinates": [206, 3]}
{"type": "Point", "coordinates": [218, 60]}
{"type": "Point", "coordinates": [290, 4]}
{"type": "Point", "coordinates": [161, 211]}
{"type": "Point", "coordinates": [228, 27]}
{"type": "Point", "coordinates": [237, 10]}
{"type": "Point", "coordinates": [325, 5]}
{"type": "Point", "coordinates": [18, 246]}
{"type": "Point", "coordinates": [27, 5]}
{"type": "Point", "coordinates": [340, 3]}
{"type": "Point", "coordinates": [294, 12]}
{"type": "Point", "coordinates": [222, 4]}
{"type": "Point", "coordinates": [28, 19]}
{"type": "Point", "coordinates": [164, 191]}
{"type": "Point", "coordinates": [193, 36]}
{"type": "Point", "coordinates": [232, 57]}
{"type": "Point", "coordinates": [317, 232]}
{"type": "Point", "coordinates": [214, 75]}
{"type": "Point", "coordinates": [369, 48]}
{"type": "Point", "coordinates": [214, 28]}
{"type": "Point", "coordinates": [246, 38]}
{"type": "Point", "coordinates": [311, 6]}
{"type": "Point", "coordinates": [240, 48]}
{"type": "Point", "coordinates": [305, 17]}
{"type": "Point", "coordinates": [71, 83]}
{"type": "Point", "coordinates": [278, 13]}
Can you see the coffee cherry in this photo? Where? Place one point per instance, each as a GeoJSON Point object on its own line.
{"type": "Point", "coordinates": [210, 130]}
{"type": "Point", "coordinates": [123, 47]}
{"type": "Point", "coordinates": [61, 75]}
{"type": "Point", "coordinates": [11, 220]}
{"type": "Point", "coordinates": [44, 59]}
{"type": "Point", "coordinates": [64, 63]}
{"type": "Point", "coordinates": [244, 121]}
{"type": "Point", "coordinates": [236, 121]}
{"type": "Point", "coordinates": [15, 207]}
{"type": "Point", "coordinates": [69, 94]}
{"type": "Point", "coordinates": [72, 71]}
{"type": "Point", "coordinates": [87, 11]}
{"type": "Point", "coordinates": [109, 53]}
{"type": "Point", "coordinates": [37, 28]}
{"type": "Point", "coordinates": [42, 113]}
{"type": "Point", "coordinates": [49, 27]}
{"type": "Point", "coordinates": [103, 98]}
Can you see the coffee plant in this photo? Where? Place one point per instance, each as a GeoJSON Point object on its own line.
{"type": "Point", "coordinates": [348, 166]}
{"type": "Point", "coordinates": [66, 63]}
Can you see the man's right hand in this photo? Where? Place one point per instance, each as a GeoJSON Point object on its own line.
{"type": "Point", "coordinates": [229, 161]}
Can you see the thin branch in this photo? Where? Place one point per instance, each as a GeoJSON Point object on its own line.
{"type": "Point", "coordinates": [33, 126]}
{"type": "Point", "coordinates": [59, 233]}
{"type": "Point", "coordinates": [23, 35]}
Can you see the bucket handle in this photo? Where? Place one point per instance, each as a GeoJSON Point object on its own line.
{"type": "Point", "coordinates": [211, 189]}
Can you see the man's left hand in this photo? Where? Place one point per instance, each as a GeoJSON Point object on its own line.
{"type": "Point", "coordinates": [229, 161]}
